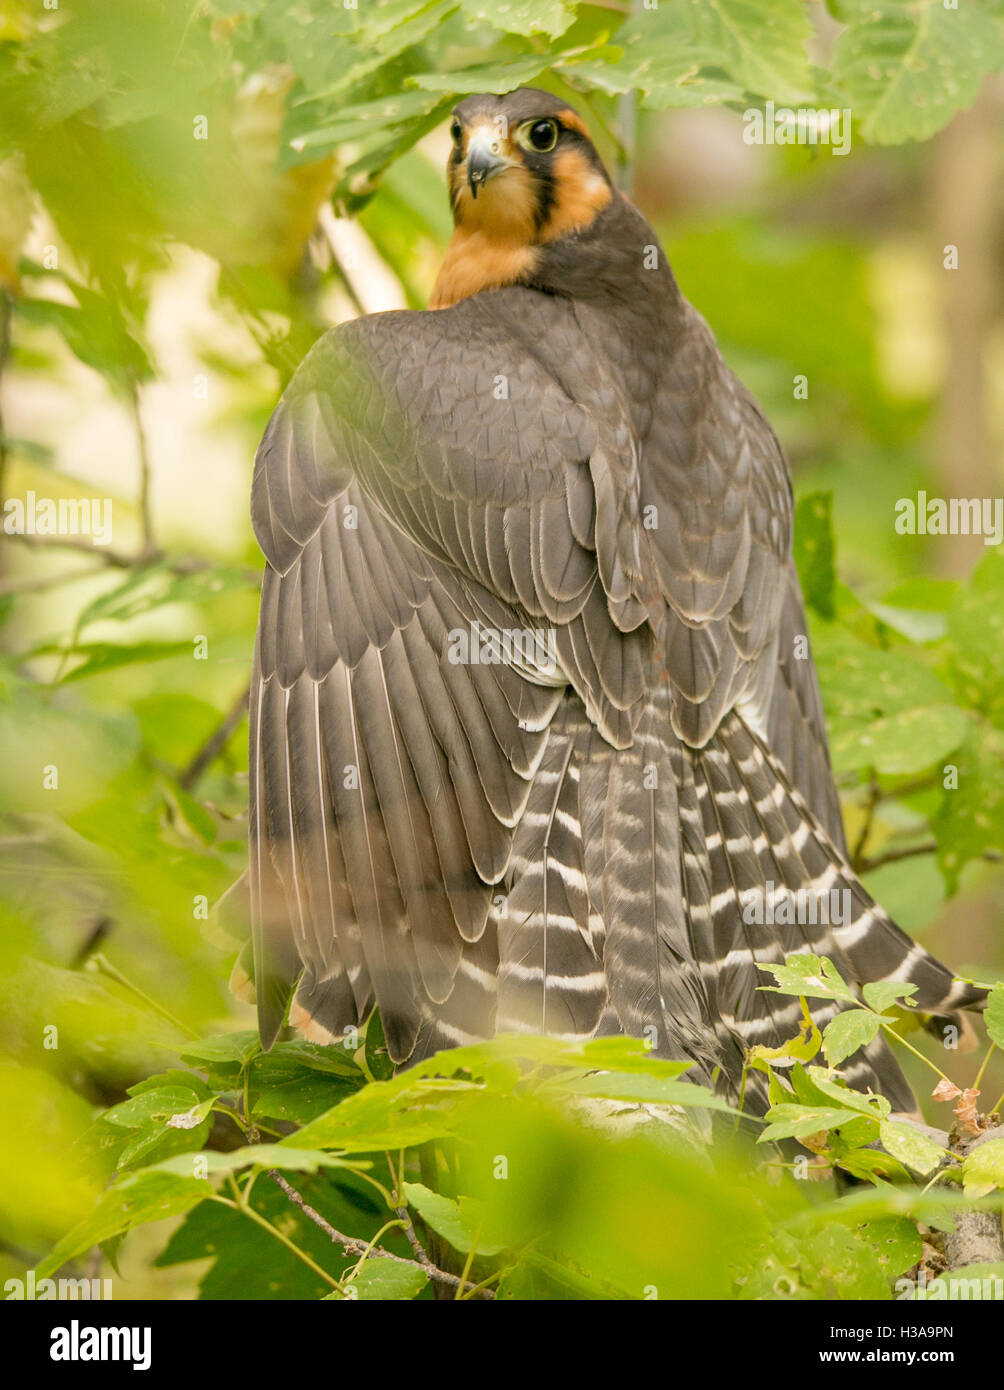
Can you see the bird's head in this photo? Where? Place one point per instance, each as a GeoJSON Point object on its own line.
{"type": "Point", "coordinates": [522, 172]}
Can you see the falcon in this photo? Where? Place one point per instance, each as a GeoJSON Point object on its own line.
{"type": "Point", "coordinates": [536, 744]}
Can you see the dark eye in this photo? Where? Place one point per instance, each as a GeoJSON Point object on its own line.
{"type": "Point", "coordinates": [456, 131]}
{"type": "Point", "coordinates": [543, 135]}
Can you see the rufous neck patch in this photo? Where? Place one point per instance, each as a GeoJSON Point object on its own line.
{"type": "Point", "coordinates": [476, 261]}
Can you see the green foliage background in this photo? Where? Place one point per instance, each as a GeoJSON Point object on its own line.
{"type": "Point", "coordinates": [162, 170]}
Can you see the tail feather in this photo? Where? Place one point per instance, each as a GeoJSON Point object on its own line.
{"type": "Point", "coordinates": [550, 977]}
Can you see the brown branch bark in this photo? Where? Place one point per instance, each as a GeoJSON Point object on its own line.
{"type": "Point", "coordinates": [978, 1237]}
{"type": "Point", "coordinates": [361, 1247]}
{"type": "Point", "coordinates": [215, 744]}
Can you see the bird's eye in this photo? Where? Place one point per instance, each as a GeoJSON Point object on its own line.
{"type": "Point", "coordinates": [538, 135]}
{"type": "Point", "coordinates": [456, 131]}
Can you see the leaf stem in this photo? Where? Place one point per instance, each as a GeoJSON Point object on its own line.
{"type": "Point", "coordinates": [103, 966]}
{"type": "Point", "coordinates": [910, 1048]}
{"type": "Point", "coordinates": [247, 1210]}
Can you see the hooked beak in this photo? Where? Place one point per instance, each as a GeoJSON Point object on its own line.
{"type": "Point", "coordinates": [481, 164]}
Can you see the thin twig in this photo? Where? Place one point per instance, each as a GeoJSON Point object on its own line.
{"type": "Point", "coordinates": [145, 477]}
{"type": "Point", "coordinates": [216, 742]}
{"type": "Point", "coordinates": [361, 1247]}
{"type": "Point", "coordinates": [117, 559]}
{"type": "Point", "coordinates": [38, 584]}
{"type": "Point", "coordinates": [120, 559]}
{"type": "Point", "coordinates": [895, 856]}
{"type": "Point", "coordinates": [874, 793]}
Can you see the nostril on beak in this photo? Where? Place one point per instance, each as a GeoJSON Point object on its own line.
{"type": "Point", "coordinates": [481, 164]}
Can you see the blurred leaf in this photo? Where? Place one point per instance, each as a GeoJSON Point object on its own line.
{"type": "Point", "coordinates": [378, 1059]}
{"type": "Point", "coordinates": [150, 587]}
{"type": "Point", "coordinates": [100, 657]}
{"type": "Point", "coordinates": [836, 1264]}
{"type": "Point", "coordinates": [648, 1090]}
{"type": "Point", "coordinates": [447, 1219]}
{"type": "Point", "coordinates": [551, 17]}
{"type": "Point", "coordinates": [970, 818]}
{"type": "Point", "coordinates": [292, 1159]}
{"type": "Point", "coordinates": [95, 333]}
{"type": "Point", "coordinates": [895, 1242]}
{"type": "Point", "coordinates": [150, 1195]}
{"type": "Point", "coordinates": [976, 639]}
{"type": "Point", "coordinates": [395, 1114]}
{"type": "Point", "coordinates": [814, 550]}
{"type": "Point", "coordinates": [905, 69]}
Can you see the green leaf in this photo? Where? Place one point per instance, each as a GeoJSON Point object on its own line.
{"type": "Point", "coordinates": [96, 658]}
{"type": "Point", "coordinates": [227, 1049]}
{"type": "Point", "coordinates": [447, 1219]}
{"type": "Point", "coordinates": [885, 709]}
{"type": "Point", "coordinates": [895, 1242]}
{"type": "Point", "coordinates": [648, 1090]}
{"type": "Point", "coordinates": [188, 1080]}
{"type": "Point", "coordinates": [244, 1262]}
{"type": "Point", "coordinates": [298, 1160]}
{"type": "Point", "coordinates": [843, 1094]}
{"type": "Point", "coordinates": [371, 121]}
{"type": "Point", "coordinates": [815, 977]}
{"type": "Point", "coordinates": [983, 1169]}
{"type": "Point", "coordinates": [994, 1015]}
{"type": "Point", "coordinates": [394, 1114]}
{"type": "Point", "coordinates": [299, 1100]}
{"type": "Point", "coordinates": [95, 332]}
{"type": "Point", "coordinates": [976, 639]}
{"type": "Point", "coordinates": [154, 586]}
{"type": "Point", "coordinates": [551, 17]}
{"type": "Point", "coordinates": [913, 1149]}
{"type": "Point", "coordinates": [795, 1121]}
{"type": "Point", "coordinates": [970, 819]}
{"type": "Point", "coordinates": [849, 1031]}
{"type": "Point", "coordinates": [153, 1106]}
{"type": "Point", "coordinates": [814, 551]}
{"type": "Point", "coordinates": [378, 1059]}
{"type": "Point", "coordinates": [907, 742]}
{"type": "Point", "coordinates": [487, 77]}
{"type": "Point", "coordinates": [150, 1195]}
{"type": "Point", "coordinates": [691, 52]}
{"type": "Point", "coordinates": [905, 69]}
{"type": "Point", "coordinates": [381, 1279]}
{"type": "Point", "coordinates": [885, 993]}
{"type": "Point", "coordinates": [836, 1264]}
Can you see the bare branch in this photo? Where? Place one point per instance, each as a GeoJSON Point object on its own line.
{"type": "Point", "coordinates": [361, 1247]}
{"type": "Point", "coordinates": [977, 1237]}
{"type": "Point", "coordinates": [895, 856]}
{"type": "Point", "coordinates": [216, 742]}
{"type": "Point", "coordinates": [874, 793]}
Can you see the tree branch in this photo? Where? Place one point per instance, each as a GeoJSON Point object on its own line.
{"type": "Point", "coordinates": [361, 1247]}
{"type": "Point", "coordinates": [895, 856]}
{"type": "Point", "coordinates": [978, 1237]}
{"type": "Point", "coordinates": [215, 743]}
